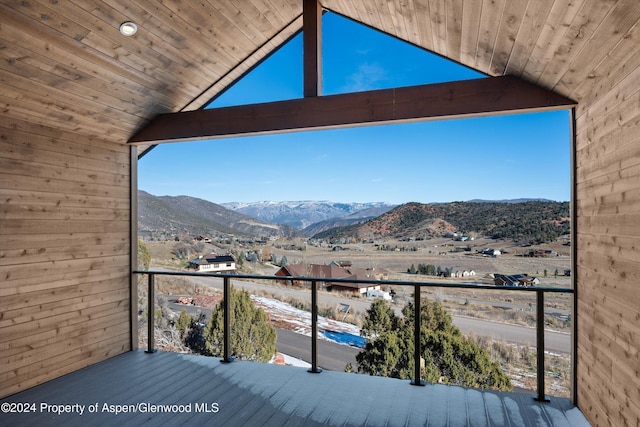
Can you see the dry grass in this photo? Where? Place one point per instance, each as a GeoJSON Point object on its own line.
{"type": "Point", "coordinates": [526, 317]}
{"type": "Point", "coordinates": [519, 362]}
{"type": "Point", "coordinates": [325, 310]}
{"type": "Point", "coordinates": [161, 256]}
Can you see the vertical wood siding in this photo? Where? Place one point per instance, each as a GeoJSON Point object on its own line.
{"type": "Point", "coordinates": [608, 276]}
{"type": "Point", "coordinates": [64, 253]}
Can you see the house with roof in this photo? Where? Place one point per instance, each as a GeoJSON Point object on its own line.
{"type": "Point", "coordinates": [490, 252]}
{"type": "Point", "coordinates": [342, 263]}
{"type": "Point", "coordinates": [83, 101]}
{"type": "Point", "coordinates": [360, 289]}
{"type": "Point", "coordinates": [331, 271]}
{"type": "Point", "coordinates": [311, 270]}
{"type": "Point", "coordinates": [542, 253]}
{"type": "Point", "coordinates": [515, 280]}
{"type": "Point", "coordinates": [213, 263]}
{"type": "Point", "coordinates": [463, 273]}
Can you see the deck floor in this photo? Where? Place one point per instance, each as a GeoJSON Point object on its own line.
{"type": "Point", "coordinates": [205, 391]}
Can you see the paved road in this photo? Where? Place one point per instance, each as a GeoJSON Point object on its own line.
{"type": "Point", "coordinates": [554, 341]}
{"type": "Point", "coordinates": [331, 356]}
{"type": "Point", "coordinates": [557, 342]}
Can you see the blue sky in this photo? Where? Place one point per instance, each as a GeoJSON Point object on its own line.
{"type": "Point", "coordinates": [494, 158]}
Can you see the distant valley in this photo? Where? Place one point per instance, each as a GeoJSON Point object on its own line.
{"type": "Point", "coordinates": [174, 215]}
{"type": "Point", "coordinates": [525, 220]}
{"type": "Point", "coordinates": [302, 214]}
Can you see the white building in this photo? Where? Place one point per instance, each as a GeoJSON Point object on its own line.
{"type": "Point", "coordinates": [213, 263]}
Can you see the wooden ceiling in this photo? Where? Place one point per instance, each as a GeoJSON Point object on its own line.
{"type": "Point", "coordinates": [64, 63]}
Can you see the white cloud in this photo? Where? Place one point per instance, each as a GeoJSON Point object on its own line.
{"type": "Point", "coordinates": [365, 78]}
{"type": "Point", "coordinates": [321, 158]}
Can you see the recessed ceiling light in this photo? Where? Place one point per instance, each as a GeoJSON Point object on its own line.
{"type": "Point", "coordinates": [128, 28]}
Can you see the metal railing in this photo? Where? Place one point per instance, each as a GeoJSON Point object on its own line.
{"type": "Point", "coordinates": [539, 291]}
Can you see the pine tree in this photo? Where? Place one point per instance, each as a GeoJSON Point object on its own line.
{"type": "Point", "coordinates": [183, 323]}
{"type": "Point", "coordinates": [144, 257]}
{"type": "Point", "coordinates": [252, 336]}
{"type": "Point", "coordinates": [379, 319]}
{"type": "Point", "coordinates": [446, 355]}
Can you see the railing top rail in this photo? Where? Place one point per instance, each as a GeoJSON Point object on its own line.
{"type": "Point", "coordinates": [364, 281]}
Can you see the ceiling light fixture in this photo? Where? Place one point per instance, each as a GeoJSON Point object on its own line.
{"type": "Point", "coordinates": [128, 28]}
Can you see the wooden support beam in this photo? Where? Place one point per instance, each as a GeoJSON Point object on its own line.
{"type": "Point", "coordinates": [461, 99]}
{"type": "Point", "coordinates": [312, 47]}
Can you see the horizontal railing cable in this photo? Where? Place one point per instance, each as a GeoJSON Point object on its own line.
{"type": "Point", "coordinates": [417, 285]}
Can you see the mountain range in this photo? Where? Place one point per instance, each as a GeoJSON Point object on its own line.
{"type": "Point", "coordinates": [172, 215]}
{"type": "Point", "coordinates": [531, 220]}
{"type": "Point", "coordinates": [302, 214]}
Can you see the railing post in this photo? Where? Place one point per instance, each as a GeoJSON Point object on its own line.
{"type": "Point", "coordinates": [540, 345]}
{"type": "Point", "coordinates": [151, 315]}
{"type": "Point", "coordinates": [314, 329]}
{"type": "Point", "coordinates": [417, 350]}
{"type": "Point", "coordinates": [226, 314]}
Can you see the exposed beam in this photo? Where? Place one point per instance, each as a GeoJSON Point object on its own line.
{"type": "Point", "coordinates": [312, 47]}
{"type": "Point", "coordinates": [469, 98]}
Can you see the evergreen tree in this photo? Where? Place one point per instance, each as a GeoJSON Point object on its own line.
{"type": "Point", "coordinates": [183, 323]}
{"type": "Point", "coordinates": [446, 356]}
{"type": "Point", "coordinates": [379, 319]}
{"type": "Point", "coordinates": [433, 317]}
{"type": "Point", "coordinates": [431, 270]}
{"type": "Point", "coordinates": [252, 336]}
{"type": "Point", "coordinates": [386, 356]}
{"type": "Point", "coordinates": [144, 257]}
{"type": "Point", "coordinates": [422, 268]}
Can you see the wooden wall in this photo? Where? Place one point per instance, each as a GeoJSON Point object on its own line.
{"type": "Point", "coordinates": [64, 253]}
{"type": "Point", "coordinates": [608, 246]}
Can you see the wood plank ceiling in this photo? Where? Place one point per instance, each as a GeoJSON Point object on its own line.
{"type": "Point", "coordinates": [64, 63]}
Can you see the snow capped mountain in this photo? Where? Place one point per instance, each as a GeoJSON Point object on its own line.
{"type": "Point", "coordinates": [301, 214]}
{"type": "Point", "coordinates": [190, 215]}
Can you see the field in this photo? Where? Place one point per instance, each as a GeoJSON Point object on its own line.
{"type": "Point", "coordinates": [511, 307]}
{"type": "Point", "coordinates": [442, 252]}
{"type": "Point", "coordinates": [504, 306]}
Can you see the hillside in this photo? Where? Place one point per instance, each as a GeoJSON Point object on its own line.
{"type": "Point", "coordinates": [355, 218]}
{"type": "Point", "coordinates": [189, 215]}
{"type": "Point", "coordinates": [532, 221]}
{"type": "Point", "coordinates": [301, 214]}
{"type": "Point", "coordinates": [330, 224]}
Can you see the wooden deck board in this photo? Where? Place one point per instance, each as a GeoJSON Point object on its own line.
{"type": "Point", "coordinates": [254, 394]}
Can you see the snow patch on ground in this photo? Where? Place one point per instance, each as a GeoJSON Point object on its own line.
{"type": "Point", "coordinates": [292, 361]}
{"type": "Point", "coordinates": [286, 316]}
